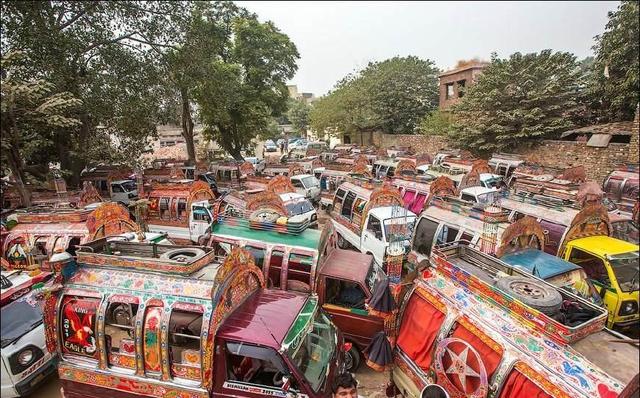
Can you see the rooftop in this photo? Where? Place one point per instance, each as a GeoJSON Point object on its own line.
{"type": "Point", "coordinates": [475, 65]}
{"type": "Point", "coordinates": [273, 310]}
{"type": "Point", "coordinates": [604, 245]}
{"type": "Point", "coordinates": [545, 265]}
{"type": "Point", "coordinates": [309, 238]}
{"type": "Point", "coordinates": [359, 264]}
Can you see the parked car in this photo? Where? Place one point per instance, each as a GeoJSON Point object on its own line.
{"type": "Point", "coordinates": [270, 146]}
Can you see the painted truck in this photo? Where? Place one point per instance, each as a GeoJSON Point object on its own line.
{"type": "Point", "coordinates": [310, 262]}
{"type": "Point", "coordinates": [371, 218]}
{"type": "Point", "coordinates": [180, 209]}
{"type": "Point", "coordinates": [210, 329]}
{"type": "Point", "coordinates": [466, 326]}
{"type": "Point", "coordinates": [40, 233]}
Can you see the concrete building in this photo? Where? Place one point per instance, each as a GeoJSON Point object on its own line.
{"type": "Point", "coordinates": [169, 135]}
{"type": "Point", "coordinates": [453, 82]}
{"type": "Point", "coordinates": [295, 94]}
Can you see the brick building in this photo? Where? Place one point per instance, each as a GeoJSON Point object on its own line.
{"type": "Point", "coordinates": [453, 82]}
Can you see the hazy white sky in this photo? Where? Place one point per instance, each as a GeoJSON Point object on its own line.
{"type": "Point", "coordinates": [335, 38]}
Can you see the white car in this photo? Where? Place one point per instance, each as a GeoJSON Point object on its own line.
{"type": "Point", "coordinates": [307, 185]}
{"type": "Point", "coordinates": [299, 209]}
{"type": "Point", "coordinates": [26, 362]}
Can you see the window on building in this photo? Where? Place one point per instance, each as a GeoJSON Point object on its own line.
{"type": "Point", "coordinates": [184, 342]}
{"type": "Point", "coordinates": [119, 334]}
{"type": "Point", "coordinates": [461, 88]}
{"type": "Point", "coordinates": [449, 90]}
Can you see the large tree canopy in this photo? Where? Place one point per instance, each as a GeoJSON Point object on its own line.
{"type": "Point", "coordinates": [615, 84]}
{"type": "Point", "coordinates": [245, 86]}
{"type": "Point", "coordinates": [391, 96]}
{"type": "Point", "coordinates": [101, 53]}
{"type": "Point", "coordinates": [523, 97]}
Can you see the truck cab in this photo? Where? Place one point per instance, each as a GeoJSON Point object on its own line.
{"type": "Point", "coordinates": [124, 191]}
{"type": "Point", "coordinates": [612, 266]}
{"type": "Point", "coordinates": [210, 330]}
{"type": "Point", "coordinates": [480, 195]}
{"type": "Point", "coordinates": [25, 358]}
{"type": "Point", "coordinates": [307, 185]}
{"type": "Point", "coordinates": [371, 231]}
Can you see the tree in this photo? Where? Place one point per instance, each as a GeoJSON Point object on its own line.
{"type": "Point", "coordinates": [101, 53]}
{"type": "Point", "coordinates": [298, 115]}
{"type": "Point", "coordinates": [245, 87]}
{"type": "Point", "coordinates": [29, 106]}
{"type": "Point", "coordinates": [519, 98]}
{"type": "Point", "coordinates": [391, 96]}
{"type": "Point", "coordinates": [436, 123]}
{"type": "Point", "coordinates": [615, 83]}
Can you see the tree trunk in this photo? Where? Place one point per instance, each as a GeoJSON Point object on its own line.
{"type": "Point", "coordinates": [15, 164]}
{"type": "Point", "coordinates": [187, 127]}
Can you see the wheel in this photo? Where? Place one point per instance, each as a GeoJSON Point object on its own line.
{"type": "Point", "coordinates": [183, 255]}
{"type": "Point", "coordinates": [352, 359]}
{"type": "Point", "coordinates": [342, 242]}
{"type": "Point", "coordinates": [545, 299]}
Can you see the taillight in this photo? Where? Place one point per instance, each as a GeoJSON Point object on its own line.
{"type": "Point", "coordinates": [346, 347]}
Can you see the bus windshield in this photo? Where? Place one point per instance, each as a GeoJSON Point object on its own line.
{"type": "Point", "coordinates": [312, 342]}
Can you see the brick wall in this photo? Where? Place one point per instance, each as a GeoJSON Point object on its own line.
{"type": "Point", "coordinates": [634, 150]}
{"type": "Point", "coordinates": [420, 143]}
{"type": "Point", "coordinates": [598, 162]}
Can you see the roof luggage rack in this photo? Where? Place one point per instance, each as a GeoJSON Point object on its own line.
{"type": "Point", "coordinates": [269, 223]}
{"type": "Point", "coordinates": [171, 259]}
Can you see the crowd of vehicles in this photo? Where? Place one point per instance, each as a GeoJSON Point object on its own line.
{"type": "Point", "coordinates": [258, 279]}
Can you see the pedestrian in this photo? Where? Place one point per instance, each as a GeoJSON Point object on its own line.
{"type": "Point", "coordinates": [344, 386]}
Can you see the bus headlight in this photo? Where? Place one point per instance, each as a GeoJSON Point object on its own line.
{"type": "Point", "coordinates": [628, 308]}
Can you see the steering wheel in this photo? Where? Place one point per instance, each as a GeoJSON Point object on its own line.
{"type": "Point", "coordinates": [277, 378]}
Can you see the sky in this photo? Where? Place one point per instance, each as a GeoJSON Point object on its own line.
{"type": "Point", "coordinates": [336, 38]}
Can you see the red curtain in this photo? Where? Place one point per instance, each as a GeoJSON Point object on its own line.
{"type": "Point", "coordinates": [408, 198]}
{"type": "Point", "coordinates": [418, 203]}
{"type": "Point", "coordinates": [489, 357]}
{"type": "Point", "coordinates": [518, 385]}
{"type": "Point", "coordinates": [420, 325]}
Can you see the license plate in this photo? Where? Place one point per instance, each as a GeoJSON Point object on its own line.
{"type": "Point", "coordinates": [37, 379]}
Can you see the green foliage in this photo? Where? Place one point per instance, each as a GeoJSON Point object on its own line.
{"type": "Point", "coordinates": [102, 53]}
{"type": "Point", "coordinates": [519, 98]}
{"type": "Point", "coordinates": [391, 96]}
{"type": "Point", "coordinates": [29, 107]}
{"type": "Point", "coordinates": [436, 123]}
{"type": "Point", "coordinates": [298, 115]}
{"type": "Point", "coordinates": [617, 50]}
{"type": "Point", "coordinates": [244, 88]}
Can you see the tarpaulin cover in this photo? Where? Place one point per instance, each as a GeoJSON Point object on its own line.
{"type": "Point", "coordinates": [382, 302]}
{"type": "Point", "coordinates": [379, 353]}
{"type": "Point", "coordinates": [518, 385]}
{"type": "Point", "coordinates": [420, 324]}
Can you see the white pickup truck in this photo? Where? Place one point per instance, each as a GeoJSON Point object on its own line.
{"type": "Point", "coordinates": [380, 227]}
{"type": "Point", "coordinates": [194, 226]}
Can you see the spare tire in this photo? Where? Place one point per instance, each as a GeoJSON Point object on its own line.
{"type": "Point", "coordinates": [183, 255]}
{"type": "Point", "coordinates": [544, 298]}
